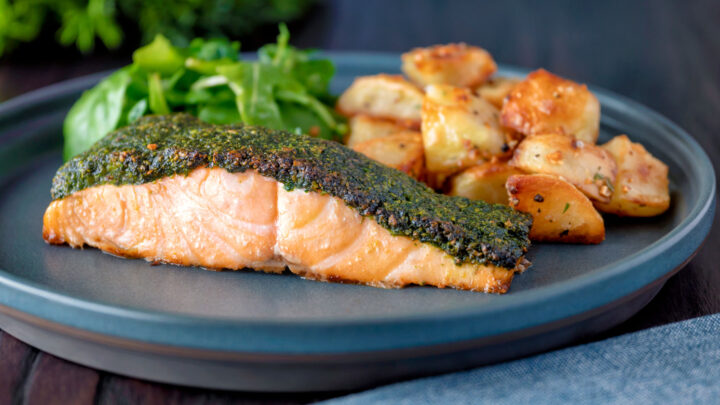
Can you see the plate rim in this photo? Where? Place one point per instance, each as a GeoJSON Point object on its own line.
{"type": "Point", "coordinates": [703, 210]}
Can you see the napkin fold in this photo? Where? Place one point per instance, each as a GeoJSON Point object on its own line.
{"type": "Point", "coordinates": [675, 363]}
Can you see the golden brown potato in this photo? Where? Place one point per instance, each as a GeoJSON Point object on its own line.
{"type": "Point", "coordinates": [485, 182]}
{"type": "Point", "coordinates": [364, 127]}
{"type": "Point", "coordinates": [496, 89]}
{"type": "Point", "coordinates": [590, 168]}
{"type": "Point", "coordinates": [459, 129]}
{"type": "Point", "coordinates": [544, 103]}
{"type": "Point", "coordinates": [454, 64]}
{"type": "Point", "coordinates": [641, 185]}
{"type": "Point", "coordinates": [402, 151]}
{"type": "Point", "coordinates": [383, 96]}
{"type": "Point", "coordinates": [561, 213]}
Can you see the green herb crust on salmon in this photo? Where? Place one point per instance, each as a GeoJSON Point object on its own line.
{"type": "Point", "coordinates": [157, 147]}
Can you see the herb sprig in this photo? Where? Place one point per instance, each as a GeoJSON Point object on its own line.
{"type": "Point", "coordinates": [608, 183]}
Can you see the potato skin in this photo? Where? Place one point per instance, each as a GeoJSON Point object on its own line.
{"type": "Point", "coordinates": [402, 151]}
{"type": "Point", "coordinates": [459, 129]}
{"type": "Point", "coordinates": [364, 127]}
{"type": "Point", "coordinates": [590, 168]}
{"type": "Point", "coordinates": [383, 96]}
{"type": "Point", "coordinates": [544, 103]}
{"type": "Point", "coordinates": [496, 89]}
{"type": "Point", "coordinates": [561, 213]}
{"type": "Point", "coordinates": [641, 185]}
{"type": "Point", "coordinates": [484, 182]}
{"type": "Point", "coordinates": [454, 64]}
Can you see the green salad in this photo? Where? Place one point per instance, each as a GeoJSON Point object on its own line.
{"type": "Point", "coordinates": [284, 88]}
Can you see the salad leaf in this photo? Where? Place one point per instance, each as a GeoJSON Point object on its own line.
{"type": "Point", "coordinates": [303, 121]}
{"type": "Point", "coordinates": [205, 56]}
{"type": "Point", "coordinates": [226, 113]}
{"type": "Point", "coordinates": [158, 105]}
{"type": "Point", "coordinates": [206, 67]}
{"type": "Point", "coordinates": [137, 110]}
{"type": "Point", "coordinates": [321, 111]}
{"type": "Point", "coordinates": [254, 85]}
{"type": "Point", "coordinates": [286, 88]}
{"type": "Point", "coordinates": [205, 96]}
{"type": "Point", "coordinates": [259, 86]}
{"type": "Point", "coordinates": [214, 49]}
{"type": "Point", "coordinates": [159, 56]}
{"type": "Point", "coordinates": [96, 113]}
{"type": "Point", "coordinates": [280, 53]}
{"type": "Point", "coordinates": [315, 75]}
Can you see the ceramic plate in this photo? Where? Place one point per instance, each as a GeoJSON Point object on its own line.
{"type": "Point", "coordinates": [264, 332]}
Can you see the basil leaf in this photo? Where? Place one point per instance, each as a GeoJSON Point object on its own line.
{"type": "Point", "coordinates": [96, 113]}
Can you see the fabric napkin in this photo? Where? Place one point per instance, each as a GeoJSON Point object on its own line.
{"type": "Point", "coordinates": [675, 363]}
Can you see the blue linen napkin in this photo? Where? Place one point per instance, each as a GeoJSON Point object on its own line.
{"type": "Point", "coordinates": [675, 363]}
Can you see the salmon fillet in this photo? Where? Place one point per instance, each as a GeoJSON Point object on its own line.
{"type": "Point", "coordinates": [174, 189]}
{"type": "Point", "coordinates": [221, 220]}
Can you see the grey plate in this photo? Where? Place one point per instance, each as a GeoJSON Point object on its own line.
{"type": "Point", "coordinates": [263, 332]}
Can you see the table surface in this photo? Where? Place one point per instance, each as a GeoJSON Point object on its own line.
{"type": "Point", "coordinates": [665, 55]}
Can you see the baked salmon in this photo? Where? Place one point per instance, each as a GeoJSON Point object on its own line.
{"type": "Point", "coordinates": [173, 189]}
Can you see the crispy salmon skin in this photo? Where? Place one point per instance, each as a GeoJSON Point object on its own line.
{"type": "Point", "coordinates": [174, 189]}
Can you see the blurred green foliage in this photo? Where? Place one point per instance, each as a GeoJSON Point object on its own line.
{"type": "Point", "coordinates": [82, 22]}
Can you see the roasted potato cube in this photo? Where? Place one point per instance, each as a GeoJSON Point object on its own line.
{"type": "Point", "coordinates": [485, 182]}
{"type": "Point", "coordinates": [589, 167]}
{"type": "Point", "coordinates": [383, 96]}
{"type": "Point", "coordinates": [459, 129]}
{"type": "Point", "coordinates": [454, 64]}
{"type": "Point", "coordinates": [641, 185]}
{"type": "Point", "coordinates": [496, 89]}
{"type": "Point", "coordinates": [544, 103]}
{"type": "Point", "coordinates": [561, 213]}
{"type": "Point", "coordinates": [364, 128]}
{"type": "Point", "coordinates": [402, 151]}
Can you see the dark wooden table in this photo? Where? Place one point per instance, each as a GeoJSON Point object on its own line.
{"type": "Point", "coordinates": [663, 54]}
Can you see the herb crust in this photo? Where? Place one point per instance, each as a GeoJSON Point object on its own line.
{"type": "Point", "coordinates": [159, 146]}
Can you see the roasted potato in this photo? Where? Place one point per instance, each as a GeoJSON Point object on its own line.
{"type": "Point", "coordinates": [402, 151]}
{"type": "Point", "coordinates": [459, 129]}
{"type": "Point", "coordinates": [364, 127]}
{"type": "Point", "coordinates": [454, 64]}
{"type": "Point", "coordinates": [383, 96]}
{"type": "Point", "coordinates": [485, 182]}
{"type": "Point", "coordinates": [544, 103]}
{"type": "Point", "coordinates": [589, 167]}
{"type": "Point", "coordinates": [641, 185]}
{"type": "Point", "coordinates": [496, 89]}
{"type": "Point", "coordinates": [561, 213]}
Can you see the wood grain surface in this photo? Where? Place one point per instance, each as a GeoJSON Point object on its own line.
{"type": "Point", "coordinates": [664, 54]}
